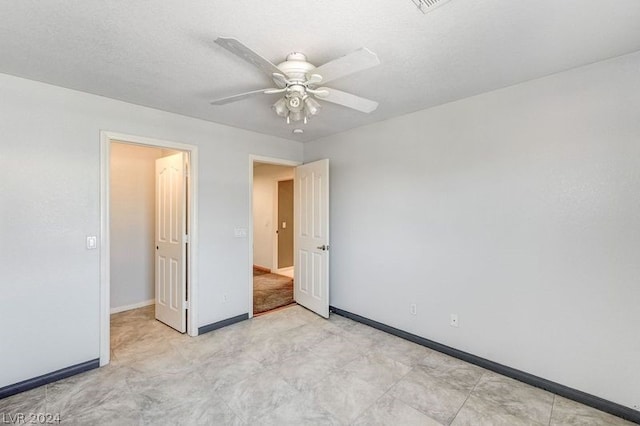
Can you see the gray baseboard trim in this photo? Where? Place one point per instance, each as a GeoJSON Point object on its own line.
{"type": "Point", "coordinates": [35, 382]}
{"type": "Point", "coordinates": [216, 325]}
{"type": "Point", "coordinates": [539, 382]}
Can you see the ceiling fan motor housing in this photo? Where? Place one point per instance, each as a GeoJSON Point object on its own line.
{"type": "Point", "coordinates": [296, 67]}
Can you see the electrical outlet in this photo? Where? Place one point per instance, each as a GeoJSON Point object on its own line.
{"type": "Point", "coordinates": [413, 309]}
{"type": "Point", "coordinates": [454, 320]}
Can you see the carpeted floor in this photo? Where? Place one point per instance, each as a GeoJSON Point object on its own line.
{"type": "Point", "coordinates": [271, 291]}
{"type": "Point", "coordinates": [257, 271]}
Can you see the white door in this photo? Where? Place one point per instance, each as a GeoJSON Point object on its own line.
{"type": "Point", "coordinates": [171, 241]}
{"type": "Point", "coordinates": [311, 241]}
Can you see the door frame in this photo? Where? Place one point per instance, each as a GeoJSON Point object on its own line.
{"type": "Point", "coordinates": [106, 138]}
{"type": "Point", "coordinates": [276, 211]}
{"type": "Point", "coordinates": [268, 160]}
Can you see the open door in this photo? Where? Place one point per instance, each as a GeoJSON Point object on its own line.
{"type": "Point", "coordinates": [311, 241]}
{"type": "Point", "coordinates": [171, 241]}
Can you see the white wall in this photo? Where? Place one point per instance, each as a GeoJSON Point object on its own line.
{"type": "Point", "coordinates": [519, 210]}
{"type": "Point", "coordinates": [265, 177]}
{"type": "Point", "coordinates": [50, 186]}
{"type": "Point", "coordinates": [132, 223]}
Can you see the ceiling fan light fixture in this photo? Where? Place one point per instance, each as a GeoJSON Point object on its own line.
{"type": "Point", "coordinates": [280, 107]}
{"type": "Point", "coordinates": [296, 115]}
{"type": "Point", "coordinates": [311, 106]}
{"type": "Point", "coordinates": [294, 102]}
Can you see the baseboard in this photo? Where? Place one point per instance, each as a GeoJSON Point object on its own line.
{"type": "Point", "coordinates": [35, 382]}
{"type": "Point", "coordinates": [283, 271]}
{"type": "Point", "coordinates": [539, 382]}
{"type": "Point", "coordinates": [216, 325]}
{"type": "Point", "coordinates": [134, 306]}
{"type": "Point", "coordinates": [262, 268]}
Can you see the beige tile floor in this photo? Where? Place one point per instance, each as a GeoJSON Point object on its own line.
{"type": "Point", "coordinates": [289, 367]}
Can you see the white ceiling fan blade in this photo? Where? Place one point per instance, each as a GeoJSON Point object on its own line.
{"type": "Point", "coordinates": [238, 97]}
{"type": "Point", "coordinates": [274, 91]}
{"type": "Point", "coordinates": [237, 48]}
{"type": "Point", "coordinates": [353, 62]}
{"type": "Point", "coordinates": [347, 99]}
{"type": "Point", "coordinates": [318, 92]}
{"type": "Point", "coordinates": [279, 79]}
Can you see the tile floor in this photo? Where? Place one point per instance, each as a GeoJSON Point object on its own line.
{"type": "Point", "coordinates": [289, 367]}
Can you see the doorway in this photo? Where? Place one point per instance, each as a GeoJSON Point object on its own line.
{"type": "Point", "coordinates": [273, 267]}
{"type": "Point", "coordinates": [310, 232]}
{"type": "Point", "coordinates": [132, 220]}
{"type": "Point", "coordinates": [133, 171]}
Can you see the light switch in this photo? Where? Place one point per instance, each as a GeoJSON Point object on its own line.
{"type": "Point", "coordinates": [284, 225]}
{"type": "Point", "coordinates": [240, 232]}
{"type": "Point", "coordinates": [92, 242]}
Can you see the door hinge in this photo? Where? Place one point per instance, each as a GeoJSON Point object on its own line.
{"type": "Point", "coordinates": [186, 239]}
{"type": "Point", "coordinates": [186, 305]}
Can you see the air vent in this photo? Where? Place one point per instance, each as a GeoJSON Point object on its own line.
{"type": "Point", "coordinates": [426, 6]}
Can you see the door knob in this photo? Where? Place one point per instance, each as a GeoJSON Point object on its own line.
{"type": "Point", "coordinates": [323, 247]}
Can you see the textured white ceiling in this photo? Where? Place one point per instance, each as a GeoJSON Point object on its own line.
{"type": "Point", "coordinates": [160, 53]}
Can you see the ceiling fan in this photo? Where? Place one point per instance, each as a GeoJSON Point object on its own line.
{"type": "Point", "coordinates": [299, 81]}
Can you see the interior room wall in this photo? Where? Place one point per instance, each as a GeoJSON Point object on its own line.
{"type": "Point", "coordinates": [265, 177]}
{"type": "Point", "coordinates": [518, 210]}
{"type": "Point", "coordinates": [132, 224]}
{"type": "Point", "coordinates": [50, 184]}
{"type": "Point", "coordinates": [285, 224]}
